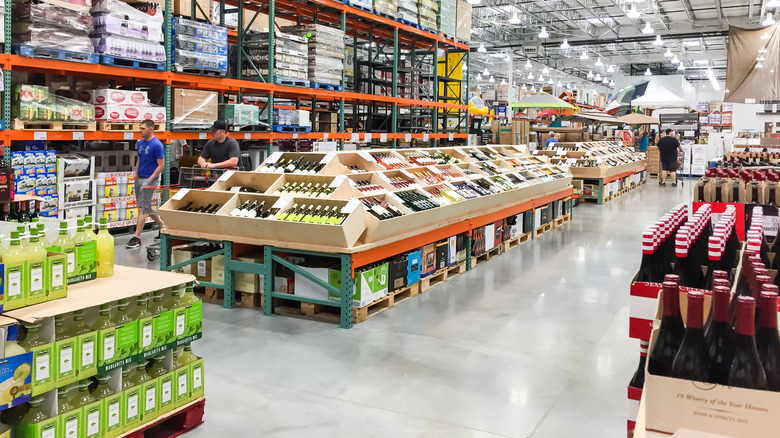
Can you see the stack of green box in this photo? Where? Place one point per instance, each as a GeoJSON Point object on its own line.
{"type": "Point", "coordinates": [427, 13]}
{"type": "Point", "coordinates": [371, 283]}
{"type": "Point", "coordinates": [240, 115]}
{"type": "Point", "coordinates": [35, 102]}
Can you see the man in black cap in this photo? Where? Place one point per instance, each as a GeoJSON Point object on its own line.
{"type": "Point", "coordinates": [221, 149]}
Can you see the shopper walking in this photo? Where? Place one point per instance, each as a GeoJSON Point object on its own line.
{"type": "Point", "coordinates": [148, 167]}
{"type": "Point", "coordinates": [223, 151]}
{"type": "Point", "coordinates": [550, 140]}
{"type": "Point", "coordinates": [668, 147]}
{"type": "Point", "coordinates": [644, 142]}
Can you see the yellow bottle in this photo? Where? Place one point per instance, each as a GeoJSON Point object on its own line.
{"type": "Point", "coordinates": [65, 245]}
{"type": "Point", "coordinates": [15, 253]}
{"type": "Point", "coordinates": [89, 228]}
{"type": "Point", "coordinates": [105, 251]}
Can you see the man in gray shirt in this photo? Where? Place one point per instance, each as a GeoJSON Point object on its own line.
{"type": "Point", "coordinates": [221, 149]}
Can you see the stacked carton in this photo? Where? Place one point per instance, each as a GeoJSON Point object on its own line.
{"type": "Point", "coordinates": [122, 105]}
{"type": "Point", "coordinates": [35, 173]}
{"type": "Point", "coordinates": [448, 13]}
{"type": "Point", "coordinates": [407, 10]}
{"type": "Point", "coordinates": [125, 32]}
{"type": "Point", "coordinates": [53, 25]}
{"type": "Point", "coordinates": [326, 52]}
{"type": "Point", "coordinates": [199, 46]}
{"type": "Point", "coordinates": [653, 160]}
{"type": "Point", "coordinates": [427, 12]}
{"type": "Point", "coordinates": [385, 7]}
{"type": "Point", "coordinates": [291, 57]}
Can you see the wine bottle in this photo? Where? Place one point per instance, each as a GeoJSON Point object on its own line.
{"type": "Point", "coordinates": [301, 213]}
{"type": "Point", "coordinates": [258, 212]}
{"type": "Point", "coordinates": [746, 370]}
{"type": "Point", "coordinates": [285, 214]}
{"type": "Point", "coordinates": [691, 361]}
{"type": "Point", "coordinates": [719, 336]}
{"type": "Point", "coordinates": [325, 216]}
{"type": "Point", "coordinates": [648, 269]}
{"type": "Point", "coordinates": [767, 340]}
{"type": "Point", "coordinates": [290, 168]}
{"type": "Point", "coordinates": [213, 209]}
{"type": "Point", "coordinates": [638, 380]}
{"type": "Point", "coordinates": [237, 210]}
{"type": "Point", "coordinates": [719, 280]}
{"type": "Point", "coordinates": [670, 334]}
{"type": "Point", "coordinates": [185, 208]}
{"type": "Point", "coordinates": [686, 267]}
{"type": "Point", "coordinates": [714, 263]}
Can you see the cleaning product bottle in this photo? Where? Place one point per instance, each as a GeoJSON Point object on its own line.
{"type": "Point", "coordinates": [105, 251]}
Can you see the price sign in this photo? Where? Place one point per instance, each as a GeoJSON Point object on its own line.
{"type": "Point", "coordinates": [451, 136]}
{"type": "Point", "coordinates": [129, 135]}
{"type": "Point", "coordinates": [202, 135]}
{"type": "Point", "coordinates": [247, 136]}
{"type": "Point", "coordinates": [226, 176]}
{"type": "Point", "coordinates": [78, 136]}
{"type": "Point", "coordinates": [39, 135]}
{"type": "Point", "coordinates": [180, 194]}
{"type": "Point", "coordinates": [295, 136]}
{"type": "Point", "coordinates": [426, 137]}
{"type": "Point", "coordinates": [408, 138]}
{"type": "Point", "coordinates": [326, 136]}
{"type": "Point", "coordinates": [383, 137]}
{"type": "Point", "coordinates": [355, 137]}
{"type": "Point", "coordinates": [368, 136]}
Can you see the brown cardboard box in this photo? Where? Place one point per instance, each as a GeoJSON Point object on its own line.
{"type": "Point", "coordinates": [194, 106]}
{"type": "Point", "coordinates": [463, 30]}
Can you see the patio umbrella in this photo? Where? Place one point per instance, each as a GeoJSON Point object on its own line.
{"type": "Point", "coordinates": [548, 112]}
{"type": "Point", "coordinates": [542, 100]}
{"type": "Point", "coordinates": [593, 116]}
{"type": "Point", "coordinates": [638, 119]}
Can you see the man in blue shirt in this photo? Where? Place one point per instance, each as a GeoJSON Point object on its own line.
{"type": "Point", "coordinates": [550, 140]}
{"type": "Point", "coordinates": [147, 168]}
{"type": "Point", "coordinates": [644, 142]}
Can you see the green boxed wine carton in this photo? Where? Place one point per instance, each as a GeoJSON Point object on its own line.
{"type": "Point", "coordinates": [132, 403]}
{"type": "Point", "coordinates": [182, 390]}
{"type": "Point", "coordinates": [111, 420]}
{"type": "Point", "coordinates": [370, 285]}
{"type": "Point", "coordinates": [91, 420]}
{"type": "Point", "coordinates": [127, 343]}
{"type": "Point", "coordinates": [106, 346]}
{"type": "Point", "coordinates": [39, 340]}
{"type": "Point", "coordinates": [196, 380]}
{"type": "Point", "coordinates": [146, 334]}
{"type": "Point", "coordinates": [87, 356]}
{"type": "Point", "coordinates": [36, 282]}
{"type": "Point", "coordinates": [180, 322]}
{"type": "Point", "coordinates": [57, 283]}
{"type": "Point", "coordinates": [86, 262]}
{"type": "Point", "coordinates": [15, 281]}
{"type": "Point", "coordinates": [49, 428]}
{"type": "Point", "coordinates": [71, 424]}
{"type": "Point", "coordinates": [66, 358]}
{"type": "Point", "coordinates": [194, 318]}
{"type": "Point", "coordinates": [150, 409]}
{"type": "Point", "coordinates": [163, 329]}
{"type": "Point", "coordinates": [165, 394]}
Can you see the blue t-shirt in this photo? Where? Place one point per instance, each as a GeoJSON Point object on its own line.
{"type": "Point", "coordinates": [148, 154]}
{"type": "Point", "coordinates": [550, 140]}
{"type": "Point", "coordinates": [644, 142]}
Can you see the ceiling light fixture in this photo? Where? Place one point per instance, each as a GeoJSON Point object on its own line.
{"type": "Point", "coordinates": [605, 81]}
{"type": "Point", "coordinates": [599, 63]}
{"type": "Point", "coordinates": [533, 89]}
{"type": "Point", "coordinates": [515, 19]}
{"type": "Point", "coordinates": [486, 72]}
{"type": "Point", "coordinates": [658, 41]}
{"type": "Point", "coordinates": [503, 81]}
{"type": "Point", "coordinates": [590, 74]}
{"type": "Point", "coordinates": [482, 48]}
{"type": "Point", "coordinates": [491, 80]}
{"type": "Point", "coordinates": [528, 63]}
{"type": "Point", "coordinates": [633, 13]}
{"type": "Point", "coordinates": [675, 60]}
{"type": "Point", "coordinates": [648, 72]}
{"type": "Point", "coordinates": [584, 55]}
{"type": "Point", "coordinates": [692, 43]}
{"type": "Point", "coordinates": [612, 83]}
{"type": "Point", "coordinates": [559, 84]}
{"type": "Point", "coordinates": [713, 80]}
{"type": "Point", "coordinates": [543, 34]}
{"type": "Point", "coordinates": [465, 67]}
{"type": "Point", "coordinates": [550, 81]}
{"type": "Point", "coordinates": [769, 20]}
{"type": "Point", "coordinates": [597, 78]}
{"type": "Point", "coordinates": [773, 4]}
{"type": "Point", "coordinates": [541, 78]}
{"type": "Point", "coordinates": [611, 69]}
{"type": "Point", "coordinates": [681, 67]}
{"type": "Point", "coordinates": [668, 53]}
{"type": "Point", "coordinates": [479, 77]}
{"type": "Point", "coordinates": [648, 29]}
{"type": "Point", "coordinates": [530, 76]}
{"type": "Point", "coordinates": [565, 44]}
{"type": "Point", "coordinates": [545, 71]}
{"type": "Point", "coordinates": [523, 87]}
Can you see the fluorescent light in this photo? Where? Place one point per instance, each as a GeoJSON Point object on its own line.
{"type": "Point", "coordinates": [530, 76]}
{"type": "Point", "coordinates": [773, 4]}
{"type": "Point", "coordinates": [681, 67]}
{"type": "Point", "coordinates": [584, 55]}
{"type": "Point", "coordinates": [769, 20]}
{"type": "Point", "coordinates": [528, 63]}
{"type": "Point", "coordinates": [761, 58]}
{"type": "Point", "coordinates": [611, 69]}
{"type": "Point", "coordinates": [658, 41]}
{"type": "Point", "coordinates": [668, 53]}
{"type": "Point", "coordinates": [675, 60]}
{"type": "Point", "coordinates": [523, 87]}
{"type": "Point", "coordinates": [550, 81]}
{"type": "Point", "coordinates": [648, 72]}
{"type": "Point", "coordinates": [633, 13]}
{"type": "Point", "coordinates": [482, 48]}
{"type": "Point", "coordinates": [465, 67]}
{"type": "Point", "coordinates": [486, 72]}
{"type": "Point", "coordinates": [590, 74]}
{"type": "Point", "coordinates": [545, 71]}
{"type": "Point", "coordinates": [541, 78]}
{"type": "Point", "coordinates": [565, 44]}
{"type": "Point", "coordinates": [597, 78]}
{"type": "Point", "coordinates": [559, 84]}
{"type": "Point", "coordinates": [692, 43]}
{"type": "Point", "coordinates": [702, 62]}
{"type": "Point", "coordinates": [648, 28]}
{"type": "Point", "coordinates": [533, 89]}
{"type": "Point", "coordinates": [612, 83]}
{"type": "Point", "coordinates": [479, 77]}
{"type": "Point", "coordinates": [491, 80]}
{"type": "Point", "coordinates": [503, 82]}
{"type": "Point", "coordinates": [543, 34]}
{"type": "Point", "coordinates": [605, 81]}
{"type": "Point", "coordinates": [599, 63]}
{"type": "Point", "coordinates": [515, 19]}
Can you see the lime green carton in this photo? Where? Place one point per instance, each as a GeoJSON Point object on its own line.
{"type": "Point", "coordinates": [66, 363]}
{"type": "Point", "coordinates": [71, 424]}
{"type": "Point", "coordinates": [87, 360]}
{"type": "Point", "coordinates": [15, 280]}
{"type": "Point", "coordinates": [56, 275]}
{"type": "Point", "coordinates": [181, 393]}
{"type": "Point", "coordinates": [150, 402]}
{"type": "Point", "coordinates": [38, 341]}
{"type": "Point", "coordinates": [165, 395]}
{"type": "Point", "coordinates": [92, 420]}
{"type": "Point", "coordinates": [196, 380]}
{"type": "Point", "coordinates": [132, 402]}
{"type": "Point", "coordinates": [36, 284]}
{"type": "Point", "coordinates": [41, 421]}
{"type": "Point", "coordinates": [111, 422]}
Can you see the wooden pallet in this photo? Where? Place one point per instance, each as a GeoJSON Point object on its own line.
{"type": "Point", "coordinates": [441, 276]}
{"type": "Point", "coordinates": [105, 126]}
{"type": "Point", "coordinates": [480, 259]}
{"type": "Point", "coordinates": [543, 229]}
{"type": "Point", "coordinates": [42, 125]}
{"type": "Point", "coordinates": [392, 299]}
{"type": "Point", "coordinates": [243, 299]}
{"type": "Point", "coordinates": [172, 424]}
{"type": "Point", "coordinates": [559, 221]}
{"type": "Point", "coordinates": [511, 243]}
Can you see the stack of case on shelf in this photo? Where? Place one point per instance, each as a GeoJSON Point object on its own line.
{"type": "Point", "coordinates": [463, 21]}
{"type": "Point", "coordinates": [116, 198]}
{"type": "Point", "coordinates": [194, 109]}
{"type": "Point", "coordinates": [112, 105]}
{"type": "Point", "coordinates": [428, 12]}
{"type": "Point", "coordinates": [326, 52]}
{"type": "Point", "coordinates": [75, 185]}
{"type": "Point", "coordinates": [52, 25]}
{"type": "Point", "coordinates": [291, 57]}
{"type": "Point", "coordinates": [387, 8]}
{"type": "Point", "coordinates": [199, 47]}
{"type": "Point", "coordinates": [35, 173]}
{"type": "Point", "coordinates": [124, 32]}
{"type": "Point", "coordinates": [241, 115]}
{"type": "Point", "coordinates": [408, 11]}
{"type": "Point", "coordinates": [448, 12]}
{"type": "Point", "coordinates": [38, 103]}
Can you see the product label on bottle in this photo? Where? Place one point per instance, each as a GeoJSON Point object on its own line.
{"type": "Point", "coordinates": [72, 426]}
{"type": "Point", "coordinates": [132, 406]}
{"type": "Point", "coordinates": [166, 392]}
{"type": "Point", "coordinates": [163, 328]}
{"type": "Point", "coordinates": [93, 422]}
{"type": "Point", "coordinates": [113, 414]}
{"type": "Point", "coordinates": [151, 400]}
{"type": "Point", "coordinates": [127, 339]}
{"type": "Point", "coordinates": [181, 323]}
{"type": "Point", "coordinates": [36, 278]}
{"type": "Point", "coordinates": [71, 257]}
{"type": "Point", "coordinates": [147, 333]}
{"type": "Point", "coordinates": [42, 366]}
{"type": "Point", "coordinates": [50, 432]}
{"type": "Point", "coordinates": [194, 318]}
{"type": "Point", "coordinates": [182, 383]}
{"type": "Point", "coordinates": [57, 274]}
{"type": "Point", "coordinates": [196, 377]}
{"type": "Point", "coordinates": [108, 346]}
{"type": "Point", "coordinates": [14, 285]}
{"type": "Point", "coordinates": [87, 352]}
{"type": "Point", "coordinates": [66, 359]}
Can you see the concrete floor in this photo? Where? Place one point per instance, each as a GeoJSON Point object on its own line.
{"type": "Point", "coordinates": [531, 344]}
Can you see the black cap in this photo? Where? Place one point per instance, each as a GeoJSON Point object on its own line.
{"type": "Point", "coordinates": [219, 124]}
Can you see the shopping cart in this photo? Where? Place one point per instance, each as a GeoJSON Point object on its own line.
{"type": "Point", "coordinates": [193, 178]}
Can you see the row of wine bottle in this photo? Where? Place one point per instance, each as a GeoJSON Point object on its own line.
{"type": "Point", "coordinates": [253, 210]}
{"type": "Point", "coordinates": [318, 190]}
{"type": "Point", "coordinates": [312, 214]}
{"type": "Point", "coordinates": [290, 165]}
{"type": "Point", "coordinates": [381, 209]}
{"type": "Point", "coordinates": [208, 209]}
{"type": "Point", "coordinates": [416, 201]}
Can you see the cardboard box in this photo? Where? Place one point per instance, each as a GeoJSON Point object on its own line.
{"type": "Point", "coordinates": [194, 107]}
{"type": "Point", "coordinates": [463, 21]}
{"type": "Point", "coordinates": [397, 273]}
{"type": "Point", "coordinates": [478, 241]}
{"type": "Point", "coordinates": [118, 113]}
{"type": "Point", "coordinates": [16, 388]}
{"type": "Point", "coordinates": [114, 97]}
{"type": "Point", "coordinates": [428, 260]}
{"type": "Point", "coordinates": [370, 284]}
{"type": "Point", "coordinates": [442, 254]}
{"type": "Point", "coordinates": [414, 267]}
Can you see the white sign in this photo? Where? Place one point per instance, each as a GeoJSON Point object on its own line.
{"type": "Point", "coordinates": [281, 202]}
{"type": "Point", "coordinates": [408, 137]}
{"type": "Point", "coordinates": [180, 194]}
{"type": "Point", "coordinates": [355, 137]}
{"type": "Point", "coordinates": [383, 137]}
{"type": "Point", "coordinates": [351, 206]}
{"type": "Point", "coordinates": [451, 136]}
{"type": "Point", "coordinates": [202, 135]}
{"type": "Point", "coordinates": [38, 135]}
{"type": "Point", "coordinates": [129, 135]}
{"type": "Point", "coordinates": [368, 136]}
{"type": "Point", "coordinates": [226, 176]}
{"type": "Point", "coordinates": [273, 158]}
{"type": "Point", "coordinates": [78, 136]}
{"type": "Point", "coordinates": [426, 137]}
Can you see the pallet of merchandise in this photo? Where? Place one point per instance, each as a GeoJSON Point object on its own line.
{"type": "Point", "coordinates": [44, 125]}
{"type": "Point", "coordinates": [174, 423]}
{"type": "Point", "coordinates": [243, 299]}
{"type": "Point", "coordinates": [488, 255]}
{"type": "Point", "coordinates": [543, 229]}
{"type": "Point", "coordinates": [512, 243]}
{"type": "Point", "coordinates": [561, 220]}
{"type": "Point", "coordinates": [441, 276]}
{"type": "Point", "coordinates": [51, 53]}
{"type": "Point", "coordinates": [131, 63]}
{"type": "Point", "coordinates": [364, 5]}
{"type": "Point", "coordinates": [105, 126]}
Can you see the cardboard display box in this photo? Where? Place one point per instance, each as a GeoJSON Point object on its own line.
{"type": "Point", "coordinates": [194, 107]}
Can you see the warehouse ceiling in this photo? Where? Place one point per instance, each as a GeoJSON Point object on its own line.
{"type": "Point", "coordinates": [628, 37]}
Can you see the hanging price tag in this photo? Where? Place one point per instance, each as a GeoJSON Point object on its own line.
{"type": "Point", "coordinates": [39, 135]}
{"type": "Point", "coordinates": [338, 180]}
{"type": "Point", "coordinates": [408, 138]}
{"type": "Point", "coordinates": [351, 206]}
{"type": "Point", "coordinates": [273, 158]}
{"type": "Point", "coordinates": [325, 136]}
{"type": "Point", "coordinates": [383, 137]}
{"type": "Point", "coordinates": [129, 135]}
{"type": "Point", "coordinates": [78, 136]}
{"type": "Point", "coordinates": [180, 194]}
{"type": "Point", "coordinates": [202, 136]}
{"type": "Point", "coordinates": [451, 136]}
{"type": "Point", "coordinates": [295, 136]}
{"type": "Point", "coordinates": [366, 156]}
{"type": "Point", "coordinates": [247, 136]}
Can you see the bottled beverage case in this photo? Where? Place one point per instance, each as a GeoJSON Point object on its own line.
{"type": "Point", "coordinates": [734, 339]}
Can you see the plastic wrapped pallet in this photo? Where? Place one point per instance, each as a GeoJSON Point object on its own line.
{"type": "Point", "coordinates": [52, 26]}
{"type": "Point", "coordinates": [123, 31]}
{"type": "Point", "coordinates": [199, 46]}
{"type": "Point", "coordinates": [385, 7]}
{"type": "Point", "coordinates": [33, 102]}
{"type": "Point", "coordinates": [326, 51]}
{"type": "Point", "coordinates": [448, 14]}
{"type": "Point", "coordinates": [291, 60]}
{"type": "Point", "coordinates": [463, 21]}
{"type": "Point", "coordinates": [194, 108]}
{"type": "Point", "coordinates": [292, 117]}
{"type": "Point", "coordinates": [427, 11]}
{"type": "Point", "coordinates": [240, 115]}
{"type": "Point", "coordinates": [407, 10]}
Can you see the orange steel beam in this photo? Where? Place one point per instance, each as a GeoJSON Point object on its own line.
{"type": "Point", "coordinates": [501, 214]}
{"type": "Point", "coordinates": [18, 135]}
{"type": "Point", "coordinates": [553, 197]}
{"type": "Point", "coordinates": [270, 136]}
{"type": "Point", "coordinates": [622, 175]}
{"type": "Point", "coordinates": [17, 62]}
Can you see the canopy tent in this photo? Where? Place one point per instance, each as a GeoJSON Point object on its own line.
{"type": "Point", "coordinates": [638, 119]}
{"type": "Point", "coordinates": [593, 116]}
{"type": "Point", "coordinates": [657, 96]}
{"type": "Point", "coordinates": [542, 100]}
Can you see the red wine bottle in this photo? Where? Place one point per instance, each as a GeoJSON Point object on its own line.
{"type": "Point", "coordinates": [685, 267]}
{"type": "Point", "coordinates": [757, 244]}
{"type": "Point", "coordinates": [715, 255]}
{"type": "Point", "coordinates": [648, 270]}
{"type": "Point", "coordinates": [719, 280]}
{"type": "Point", "coordinates": [767, 340]}
{"type": "Point", "coordinates": [746, 370]}
{"type": "Point", "coordinates": [719, 336]}
{"type": "Point", "coordinates": [691, 361]}
{"type": "Point", "coordinates": [670, 334]}
{"type": "Point", "coordinates": [638, 381]}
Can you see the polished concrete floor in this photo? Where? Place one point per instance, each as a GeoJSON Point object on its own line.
{"type": "Point", "coordinates": [531, 344]}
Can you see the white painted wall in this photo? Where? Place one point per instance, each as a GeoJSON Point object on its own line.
{"type": "Point", "coordinates": [744, 117]}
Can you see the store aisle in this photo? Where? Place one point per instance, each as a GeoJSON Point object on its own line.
{"type": "Point", "coordinates": [531, 344]}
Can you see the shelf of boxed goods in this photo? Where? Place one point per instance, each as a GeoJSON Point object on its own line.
{"type": "Point", "coordinates": [180, 410]}
{"type": "Point", "coordinates": [361, 241]}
